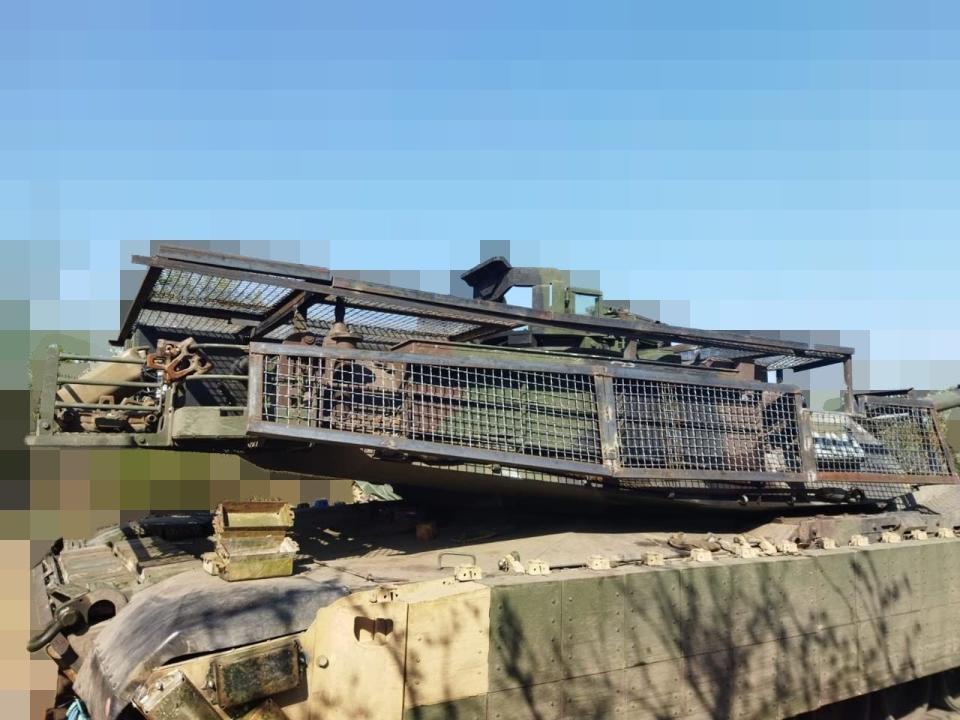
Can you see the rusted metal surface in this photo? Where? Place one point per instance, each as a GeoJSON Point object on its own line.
{"type": "Point", "coordinates": [257, 672]}
{"type": "Point", "coordinates": [544, 415]}
{"type": "Point", "coordinates": [177, 360]}
{"type": "Point", "coordinates": [297, 287]}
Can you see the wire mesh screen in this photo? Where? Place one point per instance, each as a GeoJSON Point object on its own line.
{"type": "Point", "coordinates": [527, 412]}
{"type": "Point", "coordinates": [910, 437]}
{"type": "Point", "coordinates": [702, 427]}
{"type": "Point", "coordinates": [553, 420]}
{"type": "Point", "coordinates": [887, 439]}
{"type": "Point", "coordinates": [530, 413]}
{"type": "Point", "coordinates": [209, 291]}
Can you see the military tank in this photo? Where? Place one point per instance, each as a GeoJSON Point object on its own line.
{"type": "Point", "coordinates": [602, 515]}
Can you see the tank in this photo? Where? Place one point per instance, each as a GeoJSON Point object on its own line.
{"type": "Point", "coordinates": [590, 513]}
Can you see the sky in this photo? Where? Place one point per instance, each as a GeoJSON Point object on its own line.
{"type": "Point", "coordinates": [755, 165]}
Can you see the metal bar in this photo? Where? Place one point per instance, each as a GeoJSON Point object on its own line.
{"type": "Point", "coordinates": [481, 333]}
{"type": "Point", "coordinates": [808, 449]}
{"type": "Point", "coordinates": [133, 312]}
{"type": "Point", "coordinates": [607, 421]}
{"type": "Point", "coordinates": [224, 272]}
{"type": "Point", "coordinates": [221, 346]}
{"type": "Point", "coordinates": [905, 402]}
{"type": "Point", "coordinates": [48, 391]}
{"type": "Point", "coordinates": [484, 311]}
{"type": "Point", "coordinates": [200, 378]}
{"type": "Point", "coordinates": [884, 478]}
{"type": "Point", "coordinates": [594, 323]}
{"type": "Point", "coordinates": [204, 312]}
{"type": "Point", "coordinates": [255, 390]}
{"type": "Point", "coordinates": [708, 475]}
{"type": "Point", "coordinates": [284, 311]}
{"type": "Point", "coordinates": [93, 358]}
{"type": "Point", "coordinates": [813, 365]}
{"type": "Point", "coordinates": [421, 447]}
{"type": "Point", "coordinates": [107, 383]}
{"type": "Point", "coordinates": [85, 439]}
{"type": "Point", "coordinates": [424, 301]}
{"type": "Point", "coordinates": [941, 435]}
{"type": "Point", "coordinates": [617, 368]}
{"type": "Point", "coordinates": [848, 385]}
{"type": "Point", "coordinates": [109, 406]}
{"type": "Point", "coordinates": [417, 308]}
{"type": "Point", "coordinates": [247, 264]}
{"type": "Point", "coordinates": [405, 307]}
{"type": "Point", "coordinates": [468, 350]}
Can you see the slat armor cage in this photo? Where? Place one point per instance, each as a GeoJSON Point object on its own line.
{"type": "Point", "coordinates": [596, 419]}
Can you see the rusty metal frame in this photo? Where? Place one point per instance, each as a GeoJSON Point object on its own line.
{"type": "Point", "coordinates": [313, 289]}
{"type": "Point", "coordinates": [495, 316]}
{"type": "Point", "coordinates": [624, 369]}
{"type": "Point", "coordinates": [808, 451]}
{"type": "Point", "coordinates": [48, 392]}
{"type": "Point", "coordinates": [603, 374]}
{"type": "Point", "coordinates": [607, 421]}
{"type": "Point", "coordinates": [133, 312]}
{"type": "Point", "coordinates": [48, 435]}
{"type": "Point", "coordinates": [914, 402]}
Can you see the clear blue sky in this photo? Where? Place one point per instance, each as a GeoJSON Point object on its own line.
{"type": "Point", "coordinates": [765, 164]}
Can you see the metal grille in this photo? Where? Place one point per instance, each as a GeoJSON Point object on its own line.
{"type": "Point", "coordinates": [181, 324]}
{"type": "Point", "coordinates": [530, 413]}
{"type": "Point", "coordinates": [220, 293]}
{"type": "Point", "coordinates": [910, 437]}
{"type": "Point", "coordinates": [526, 412]}
{"type": "Point", "coordinates": [785, 362]}
{"type": "Point", "coordinates": [887, 440]}
{"type": "Point", "coordinates": [674, 426]}
{"type": "Point", "coordinates": [553, 419]}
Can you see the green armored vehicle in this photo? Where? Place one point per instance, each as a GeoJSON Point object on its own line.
{"type": "Point", "coordinates": [602, 515]}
